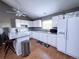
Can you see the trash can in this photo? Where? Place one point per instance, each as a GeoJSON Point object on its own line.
{"type": "Point", "coordinates": [25, 48]}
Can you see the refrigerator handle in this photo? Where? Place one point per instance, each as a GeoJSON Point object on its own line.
{"type": "Point", "coordinates": [63, 33]}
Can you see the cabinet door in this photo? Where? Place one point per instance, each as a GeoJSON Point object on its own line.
{"type": "Point", "coordinates": [31, 34]}
{"type": "Point", "coordinates": [41, 36]}
{"type": "Point", "coordinates": [61, 43]}
{"type": "Point", "coordinates": [52, 39]}
{"type": "Point", "coordinates": [38, 36]}
{"type": "Point", "coordinates": [34, 35]}
{"type": "Point", "coordinates": [73, 37]}
{"type": "Point", "coordinates": [36, 23]}
{"type": "Point", "coordinates": [44, 37]}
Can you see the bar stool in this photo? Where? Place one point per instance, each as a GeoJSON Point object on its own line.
{"type": "Point", "coordinates": [8, 44]}
{"type": "Point", "coordinates": [1, 41]}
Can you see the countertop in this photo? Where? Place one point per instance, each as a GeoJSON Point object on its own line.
{"type": "Point", "coordinates": [47, 32]}
{"type": "Point", "coordinates": [18, 35]}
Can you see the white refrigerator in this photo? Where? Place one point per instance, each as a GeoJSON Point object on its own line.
{"type": "Point", "coordinates": [68, 36]}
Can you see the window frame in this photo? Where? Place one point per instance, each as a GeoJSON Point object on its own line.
{"type": "Point", "coordinates": [42, 23]}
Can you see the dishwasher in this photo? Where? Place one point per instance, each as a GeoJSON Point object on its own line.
{"type": "Point", "coordinates": [25, 48]}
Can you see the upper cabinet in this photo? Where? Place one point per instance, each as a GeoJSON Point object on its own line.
{"type": "Point", "coordinates": [36, 23]}
{"type": "Point", "coordinates": [72, 14]}
{"type": "Point", "coordinates": [54, 21]}
{"type": "Point", "coordinates": [22, 23]}
{"type": "Point", "coordinates": [69, 15]}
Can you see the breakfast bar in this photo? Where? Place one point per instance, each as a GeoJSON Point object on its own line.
{"type": "Point", "coordinates": [19, 38]}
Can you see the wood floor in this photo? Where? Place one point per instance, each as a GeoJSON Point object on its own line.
{"type": "Point", "coordinates": [38, 51]}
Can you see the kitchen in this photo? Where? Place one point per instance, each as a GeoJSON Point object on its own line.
{"type": "Point", "coordinates": [59, 30]}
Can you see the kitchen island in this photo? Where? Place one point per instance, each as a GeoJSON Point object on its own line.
{"type": "Point", "coordinates": [19, 38]}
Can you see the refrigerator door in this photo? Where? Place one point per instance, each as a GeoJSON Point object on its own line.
{"type": "Point", "coordinates": [73, 37]}
{"type": "Point", "coordinates": [61, 36]}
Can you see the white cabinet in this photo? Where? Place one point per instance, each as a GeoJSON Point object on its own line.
{"type": "Point", "coordinates": [20, 22]}
{"type": "Point", "coordinates": [34, 35]}
{"type": "Point", "coordinates": [36, 23]}
{"type": "Point", "coordinates": [70, 15]}
{"type": "Point", "coordinates": [39, 36]}
{"type": "Point", "coordinates": [48, 38]}
{"type": "Point", "coordinates": [52, 39]}
{"type": "Point", "coordinates": [44, 37]}
{"type": "Point", "coordinates": [31, 34]}
{"type": "Point", "coordinates": [54, 21]}
{"type": "Point", "coordinates": [30, 23]}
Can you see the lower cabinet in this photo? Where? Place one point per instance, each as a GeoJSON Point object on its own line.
{"type": "Point", "coordinates": [61, 43]}
{"type": "Point", "coordinates": [34, 35]}
{"type": "Point", "coordinates": [45, 37]}
{"type": "Point", "coordinates": [52, 40]}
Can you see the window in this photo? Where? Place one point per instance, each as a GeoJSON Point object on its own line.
{"type": "Point", "coordinates": [47, 24]}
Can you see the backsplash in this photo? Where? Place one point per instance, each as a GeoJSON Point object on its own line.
{"type": "Point", "coordinates": [35, 29]}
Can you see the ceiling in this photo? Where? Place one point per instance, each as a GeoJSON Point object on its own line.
{"type": "Point", "coordinates": [39, 8]}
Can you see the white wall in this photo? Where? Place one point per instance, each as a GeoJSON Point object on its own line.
{"type": "Point", "coordinates": [5, 20]}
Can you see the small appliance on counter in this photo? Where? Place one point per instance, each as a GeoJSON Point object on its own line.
{"type": "Point", "coordinates": [54, 30]}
